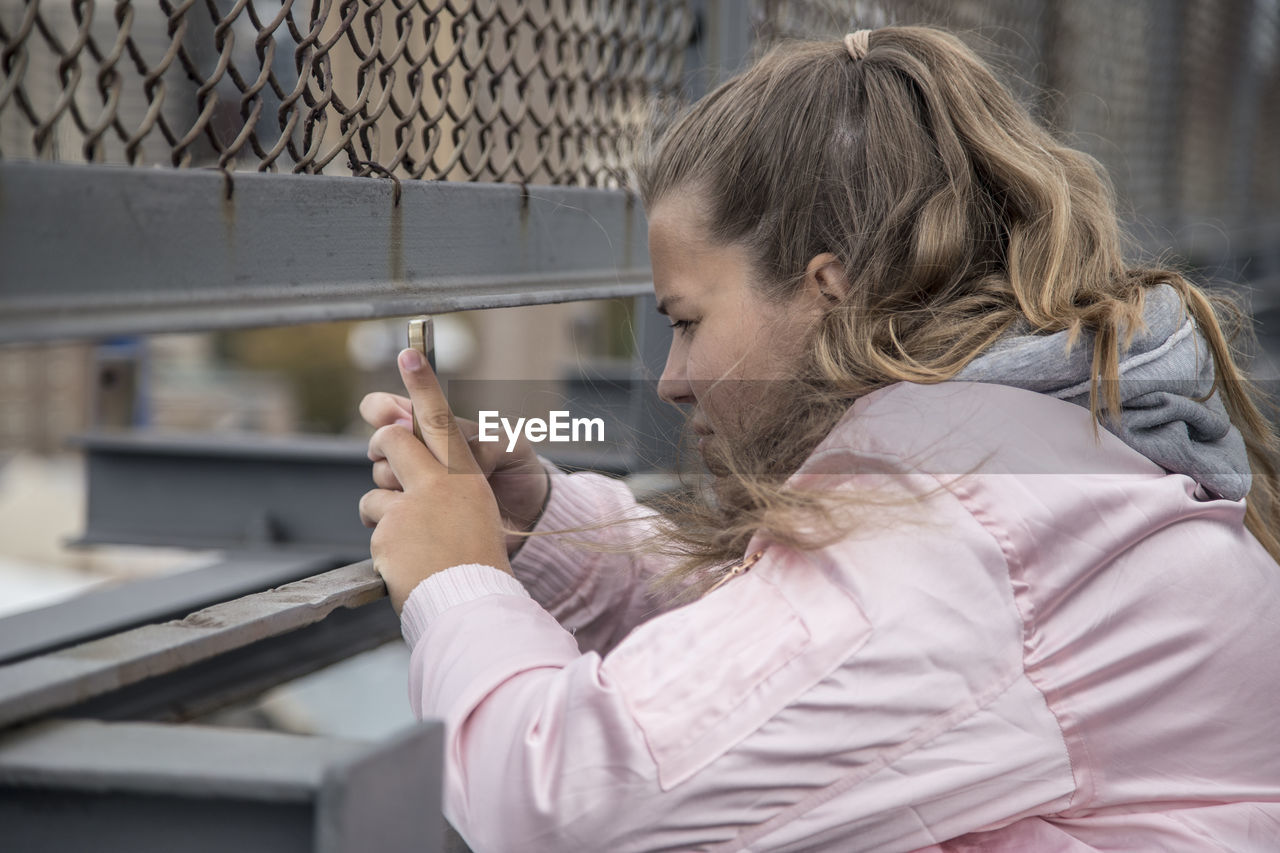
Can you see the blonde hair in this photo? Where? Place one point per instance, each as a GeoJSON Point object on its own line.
{"type": "Point", "coordinates": [953, 214]}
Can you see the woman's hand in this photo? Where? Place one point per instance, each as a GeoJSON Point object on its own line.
{"type": "Point", "coordinates": [517, 478]}
{"type": "Point", "coordinates": [440, 512]}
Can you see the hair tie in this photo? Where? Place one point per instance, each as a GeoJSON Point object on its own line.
{"type": "Point", "coordinates": [858, 43]}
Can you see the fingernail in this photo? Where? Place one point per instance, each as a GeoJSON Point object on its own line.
{"type": "Point", "coordinates": [404, 422]}
{"type": "Point", "coordinates": [411, 359]}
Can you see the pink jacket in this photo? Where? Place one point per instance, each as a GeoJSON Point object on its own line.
{"type": "Point", "coordinates": [1068, 650]}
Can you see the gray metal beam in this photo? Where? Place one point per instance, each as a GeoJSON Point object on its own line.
{"type": "Point", "coordinates": [95, 251]}
{"type": "Point", "coordinates": [295, 492]}
{"type": "Point", "coordinates": [214, 656]}
{"type": "Point", "coordinates": [111, 609]}
{"type": "Point", "coordinates": [195, 690]}
{"type": "Point", "coordinates": [253, 491]}
{"type": "Point", "coordinates": [82, 785]}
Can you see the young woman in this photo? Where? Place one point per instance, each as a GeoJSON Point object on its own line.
{"type": "Point", "coordinates": [988, 560]}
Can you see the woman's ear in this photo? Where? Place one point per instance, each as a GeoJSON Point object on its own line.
{"type": "Point", "coordinates": [824, 277]}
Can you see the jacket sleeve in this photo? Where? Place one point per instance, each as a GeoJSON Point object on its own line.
{"type": "Point", "coordinates": [599, 595]}
{"type": "Point", "coordinates": [866, 696]}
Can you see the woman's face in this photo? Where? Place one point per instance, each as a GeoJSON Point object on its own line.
{"type": "Point", "coordinates": [730, 344]}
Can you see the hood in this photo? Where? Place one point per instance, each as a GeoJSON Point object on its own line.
{"type": "Point", "coordinates": [1165, 368]}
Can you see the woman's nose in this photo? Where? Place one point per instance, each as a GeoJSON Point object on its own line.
{"type": "Point", "coordinates": [673, 386]}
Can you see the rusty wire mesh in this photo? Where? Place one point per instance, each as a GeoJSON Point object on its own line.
{"type": "Point", "coordinates": [1179, 99]}
{"type": "Point", "coordinates": [539, 91]}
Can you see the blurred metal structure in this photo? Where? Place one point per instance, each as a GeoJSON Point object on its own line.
{"type": "Point", "coordinates": [1180, 99]}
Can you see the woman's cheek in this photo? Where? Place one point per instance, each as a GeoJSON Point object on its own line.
{"type": "Point", "coordinates": [698, 369]}
{"type": "Point", "coordinates": [711, 354]}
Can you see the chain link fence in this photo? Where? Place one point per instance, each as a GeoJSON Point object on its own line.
{"type": "Point", "coordinates": [537, 91]}
{"type": "Point", "coordinates": [1179, 99]}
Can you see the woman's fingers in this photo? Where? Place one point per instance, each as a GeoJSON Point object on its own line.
{"type": "Point", "coordinates": [384, 477]}
{"type": "Point", "coordinates": [375, 504]}
{"type": "Point", "coordinates": [440, 432]}
{"type": "Point", "coordinates": [410, 463]}
{"type": "Point", "coordinates": [380, 408]}
{"type": "Point", "coordinates": [487, 456]}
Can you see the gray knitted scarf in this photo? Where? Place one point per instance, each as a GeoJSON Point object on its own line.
{"type": "Point", "coordinates": [1167, 365]}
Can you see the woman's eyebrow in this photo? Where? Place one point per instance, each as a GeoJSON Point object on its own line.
{"type": "Point", "coordinates": [663, 304]}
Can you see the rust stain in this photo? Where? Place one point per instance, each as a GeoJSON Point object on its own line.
{"type": "Point", "coordinates": [524, 220]}
{"type": "Point", "coordinates": [628, 221]}
{"type": "Point", "coordinates": [229, 211]}
{"type": "Point", "coordinates": [395, 246]}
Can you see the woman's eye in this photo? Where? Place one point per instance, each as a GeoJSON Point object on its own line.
{"type": "Point", "coordinates": [682, 325]}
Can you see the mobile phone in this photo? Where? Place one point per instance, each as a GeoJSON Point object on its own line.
{"type": "Point", "coordinates": [422, 337]}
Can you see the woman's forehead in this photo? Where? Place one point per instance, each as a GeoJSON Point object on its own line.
{"type": "Point", "coordinates": [679, 215]}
